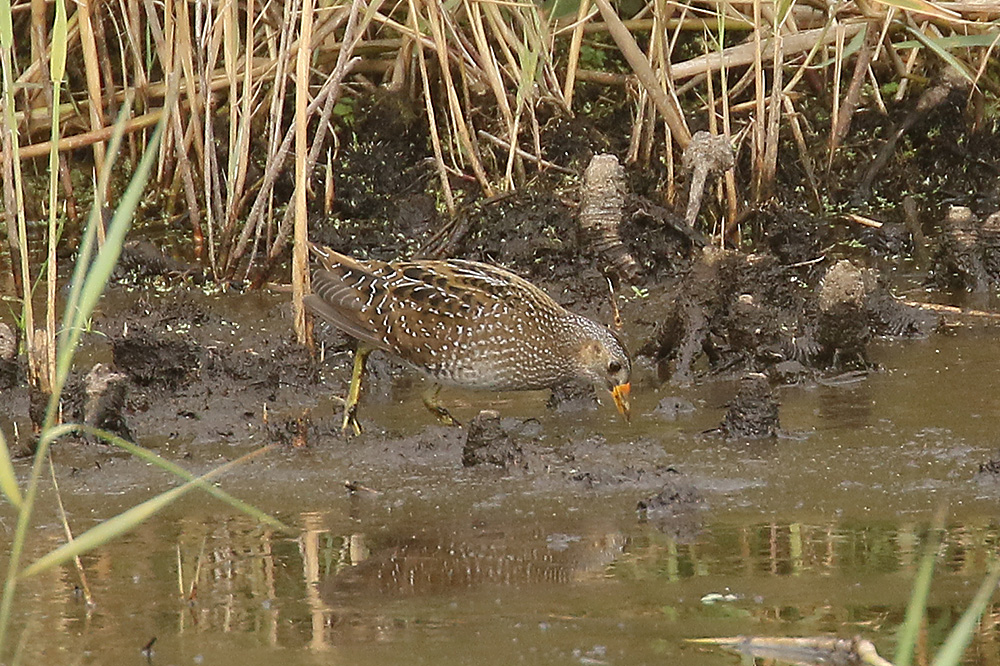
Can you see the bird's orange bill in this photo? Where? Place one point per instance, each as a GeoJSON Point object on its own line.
{"type": "Point", "coordinates": [620, 395]}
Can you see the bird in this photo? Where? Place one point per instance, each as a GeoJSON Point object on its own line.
{"type": "Point", "coordinates": [463, 323]}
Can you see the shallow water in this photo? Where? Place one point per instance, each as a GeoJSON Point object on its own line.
{"type": "Point", "coordinates": [817, 532]}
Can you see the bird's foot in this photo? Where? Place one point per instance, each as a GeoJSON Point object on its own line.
{"type": "Point", "coordinates": [354, 391]}
{"type": "Point", "coordinates": [350, 420]}
{"type": "Point", "coordinates": [443, 416]}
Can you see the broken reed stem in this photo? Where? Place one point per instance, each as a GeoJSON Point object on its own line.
{"type": "Point", "coordinates": [602, 199]}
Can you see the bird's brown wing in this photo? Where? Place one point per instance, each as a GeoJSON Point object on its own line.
{"type": "Point", "coordinates": [417, 309]}
{"type": "Point", "coordinates": [343, 293]}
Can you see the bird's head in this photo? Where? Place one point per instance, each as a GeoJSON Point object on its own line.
{"type": "Point", "coordinates": [605, 361]}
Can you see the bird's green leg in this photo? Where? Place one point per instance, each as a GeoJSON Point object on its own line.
{"type": "Point", "coordinates": [431, 403]}
{"type": "Point", "coordinates": [354, 391]}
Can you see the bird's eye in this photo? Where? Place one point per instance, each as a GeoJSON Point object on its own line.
{"type": "Point", "coordinates": [614, 366]}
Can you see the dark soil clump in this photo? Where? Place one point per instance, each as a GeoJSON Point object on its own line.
{"type": "Point", "coordinates": [968, 257]}
{"type": "Point", "coordinates": [749, 313]}
{"type": "Point", "coordinates": [104, 404]}
{"type": "Point", "coordinates": [154, 361]}
{"type": "Point", "coordinates": [675, 508]}
{"type": "Point", "coordinates": [489, 442]}
{"type": "Point", "coordinates": [753, 414]}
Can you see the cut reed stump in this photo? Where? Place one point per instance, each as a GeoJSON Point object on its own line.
{"type": "Point", "coordinates": [602, 200]}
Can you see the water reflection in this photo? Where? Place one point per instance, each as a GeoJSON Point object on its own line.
{"type": "Point", "coordinates": [576, 586]}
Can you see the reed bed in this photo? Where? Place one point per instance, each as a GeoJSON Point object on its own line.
{"type": "Point", "coordinates": [475, 69]}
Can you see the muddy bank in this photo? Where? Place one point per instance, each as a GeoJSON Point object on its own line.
{"type": "Point", "coordinates": [791, 299]}
{"type": "Point", "coordinates": [191, 365]}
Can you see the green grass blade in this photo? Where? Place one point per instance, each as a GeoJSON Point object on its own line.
{"type": "Point", "coordinates": [910, 629]}
{"type": "Point", "coordinates": [57, 56]}
{"type": "Point", "coordinates": [958, 640]}
{"type": "Point", "coordinates": [96, 278]}
{"type": "Point", "coordinates": [8, 480]}
{"type": "Point", "coordinates": [942, 52]}
{"type": "Point", "coordinates": [107, 530]}
{"type": "Point", "coordinates": [127, 520]}
{"type": "Point", "coordinates": [6, 25]}
{"type": "Point", "coordinates": [177, 470]}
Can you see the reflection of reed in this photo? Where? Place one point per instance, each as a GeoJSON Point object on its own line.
{"type": "Point", "coordinates": [431, 564]}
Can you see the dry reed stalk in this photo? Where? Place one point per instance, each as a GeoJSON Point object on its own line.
{"type": "Point", "coordinates": [545, 164]}
{"type": "Point", "coordinates": [506, 41]}
{"type": "Point", "coordinates": [774, 109]}
{"type": "Point", "coordinates": [93, 75]}
{"type": "Point", "coordinates": [39, 47]}
{"type": "Point", "coordinates": [250, 88]}
{"type": "Point", "coordinates": [274, 168]}
{"type": "Point", "coordinates": [17, 234]}
{"type": "Point", "coordinates": [133, 31]}
{"type": "Point", "coordinates": [78, 141]}
{"type": "Point", "coordinates": [759, 123]}
{"type": "Point", "coordinates": [33, 72]}
{"type": "Point", "coordinates": [327, 98]}
{"type": "Point", "coordinates": [876, 91]}
{"type": "Point", "coordinates": [104, 62]}
{"type": "Point", "coordinates": [697, 182]}
{"type": "Point", "coordinates": [449, 198]}
{"type": "Point", "coordinates": [211, 37]}
{"type": "Point", "coordinates": [838, 65]}
{"type": "Point", "coordinates": [252, 224]}
{"type": "Point", "coordinates": [911, 64]}
{"type": "Point", "coordinates": [853, 97]}
{"type": "Point", "coordinates": [230, 21]}
{"type": "Point", "coordinates": [639, 125]}
{"type": "Point", "coordinates": [300, 249]}
{"type": "Point", "coordinates": [407, 31]}
{"type": "Point", "coordinates": [644, 125]}
{"type": "Point", "coordinates": [665, 103]}
{"type": "Point", "coordinates": [743, 54]}
{"type": "Point", "coordinates": [239, 142]}
{"type": "Point", "coordinates": [57, 70]}
{"type": "Point", "coordinates": [177, 58]}
{"type": "Point", "coordinates": [180, 56]}
{"type": "Point", "coordinates": [576, 42]}
{"type": "Point", "coordinates": [469, 148]}
{"type": "Point", "coordinates": [800, 142]}
{"type": "Point", "coordinates": [486, 59]}
{"type": "Point", "coordinates": [84, 585]}
{"type": "Point", "coordinates": [725, 97]}
{"type": "Point", "coordinates": [540, 37]}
